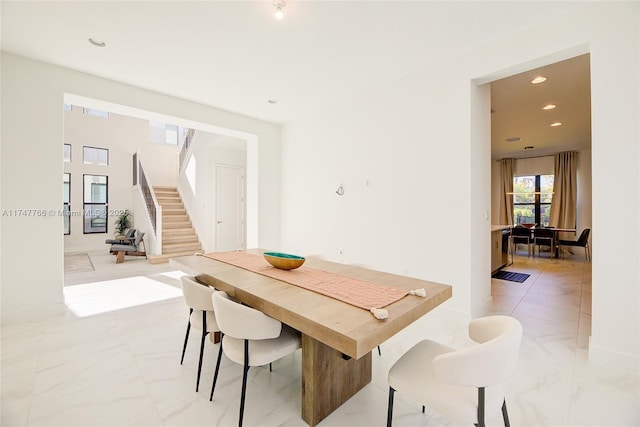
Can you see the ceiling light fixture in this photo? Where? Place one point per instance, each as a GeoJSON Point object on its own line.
{"type": "Point", "coordinates": [513, 139]}
{"type": "Point", "coordinates": [554, 124]}
{"type": "Point", "coordinates": [549, 107]}
{"type": "Point", "coordinates": [272, 101]}
{"type": "Point", "coordinates": [97, 42]}
{"type": "Point", "coordinates": [529, 147]}
{"type": "Point", "coordinates": [279, 5]}
{"type": "Point", "coordinates": [539, 79]}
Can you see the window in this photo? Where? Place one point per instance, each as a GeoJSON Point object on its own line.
{"type": "Point", "coordinates": [96, 156]}
{"type": "Point", "coordinates": [66, 153]}
{"type": "Point", "coordinates": [532, 199]}
{"type": "Point", "coordinates": [95, 193]}
{"type": "Point", "coordinates": [66, 199]}
{"type": "Point", "coordinates": [165, 133]}
{"type": "Point", "coordinates": [96, 113]}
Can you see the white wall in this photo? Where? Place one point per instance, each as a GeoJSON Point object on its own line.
{"type": "Point", "coordinates": [160, 162]}
{"type": "Point", "coordinates": [208, 150]}
{"type": "Point", "coordinates": [404, 160]}
{"type": "Point", "coordinates": [404, 154]}
{"type": "Point", "coordinates": [31, 171]}
{"type": "Point", "coordinates": [122, 136]}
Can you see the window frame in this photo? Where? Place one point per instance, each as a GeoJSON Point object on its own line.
{"type": "Point", "coordinates": [66, 206]}
{"type": "Point", "coordinates": [176, 132]}
{"type": "Point", "coordinates": [92, 204]}
{"type": "Point", "coordinates": [95, 112]}
{"type": "Point", "coordinates": [70, 153]}
{"type": "Point", "coordinates": [84, 155]}
{"type": "Point", "coordinates": [537, 203]}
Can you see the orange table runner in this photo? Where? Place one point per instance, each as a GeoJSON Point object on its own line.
{"type": "Point", "coordinates": [366, 295]}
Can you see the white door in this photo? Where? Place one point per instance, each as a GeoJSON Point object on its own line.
{"type": "Point", "coordinates": [230, 224]}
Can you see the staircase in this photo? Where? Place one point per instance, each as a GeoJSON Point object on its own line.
{"type": "Point", "coordinates": [178, 236]}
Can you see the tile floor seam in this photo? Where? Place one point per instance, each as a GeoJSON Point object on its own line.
{"type": "Point", "coordinates": [524, 295]}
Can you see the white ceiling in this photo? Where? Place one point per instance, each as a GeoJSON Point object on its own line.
{"type": "Point", "coordinates": [517, 110]}
{"type": "Point", "coordinates": [235, 56]}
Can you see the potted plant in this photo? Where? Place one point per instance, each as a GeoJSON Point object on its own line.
{"type": "Point", "coordinates": [123, 222]}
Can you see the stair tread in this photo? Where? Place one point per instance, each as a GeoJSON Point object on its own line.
{"type": "Point", "coordinates": [159, 259]}
{"type": "Point", "coordinates": [178, 225]}
{"type": "Point", "coordinates": [178, 235]}
{"type": "Point", "coordinates": [180, 239]}
{"type": "Point", "coordinates": [179, 244]}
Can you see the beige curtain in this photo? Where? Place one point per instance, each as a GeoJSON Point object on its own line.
{"type": "Point", "coordinates": [563, 206]}
{"type": "Point", "coordinates": [506, 196]}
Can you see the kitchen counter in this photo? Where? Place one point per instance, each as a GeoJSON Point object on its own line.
{"type": "Point", "coordinates": [499, 246]}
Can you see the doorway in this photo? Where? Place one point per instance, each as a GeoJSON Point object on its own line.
{"type": "Point", "coordinates": [230, 208]}
{"type": "Point", "coordinates": [531, 123]}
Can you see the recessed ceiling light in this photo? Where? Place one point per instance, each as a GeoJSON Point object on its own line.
{"type": "Point", "coordinates": [529, 147]}
{"type": "Point", "coordinates": [554, 124]}
{"type": "Point", "coordinates": [549, 107]}
{"type": "Point", "coordinates": [97, 42]}
{"type": "Point", "coordinates": [539, 79]}
{"type": "Point", "coordinates": [272, 101]}
{"type": "Point", "coordinates": [513, 139]}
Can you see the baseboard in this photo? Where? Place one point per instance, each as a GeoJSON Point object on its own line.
{"type": "Point", "coordinates": [483, 309]}
{"type": "Point", "coordinates": [624, 362]}
{"type": "Point", "coordinates": [453, 315]}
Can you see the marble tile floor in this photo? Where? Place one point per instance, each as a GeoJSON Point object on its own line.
{"type": "Point", "coordinates": [118, 364]}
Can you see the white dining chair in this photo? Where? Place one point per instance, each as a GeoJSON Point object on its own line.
{"type": "Point", "coordinates": [197, 297]}
{"type": "Point", "coordinates": [250, 338]}
{"type": "Point", "coordinates": [464, 385]}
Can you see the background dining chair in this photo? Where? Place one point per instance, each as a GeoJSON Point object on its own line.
{"type": "Point", "coordinates": [250, 338]}
{"type": "Point", "coordinates": [465, 385]}
{"type": "Point", "coordinates": [583, 241]}
{"type": "Point", "coordinates": [520, 235]}
{"type": "Point", "coordinates": [197, 296]}
{"type": "Point", "coordinates": [543, 237]}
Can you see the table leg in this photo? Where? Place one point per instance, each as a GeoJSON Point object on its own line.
{"type": "Point", "coordinates": [328, 380]}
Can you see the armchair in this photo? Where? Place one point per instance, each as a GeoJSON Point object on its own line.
{"type": "Point", "coordinates": [133, 249]}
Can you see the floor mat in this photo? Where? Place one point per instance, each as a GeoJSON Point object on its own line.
{"type": "Point", "coordinates": [77, 263]}
{"type": "Point", "coordinates": [510, 276]}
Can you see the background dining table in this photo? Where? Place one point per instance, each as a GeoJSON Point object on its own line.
{"type": "Point", "coordinates": [555, 230]}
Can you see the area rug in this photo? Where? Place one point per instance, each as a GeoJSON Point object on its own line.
{"type": "Point", "coordinates": [77, 263]}
{"type": "Point", "coordinates": [510, 276]}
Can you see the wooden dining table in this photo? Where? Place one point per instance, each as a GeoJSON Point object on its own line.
{"type": "Point", "coordinates": [337, 338]}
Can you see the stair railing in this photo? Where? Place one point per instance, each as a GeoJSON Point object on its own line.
{"type": "Point", "coordinates": [154, 210]}
{"type": "Point", "coordinates": [185, 148]}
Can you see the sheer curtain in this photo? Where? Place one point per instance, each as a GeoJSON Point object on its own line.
{"type": "Point", "coordinates": [506, 199]}
{"type": "Point", "coordinates": [563, 207]}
